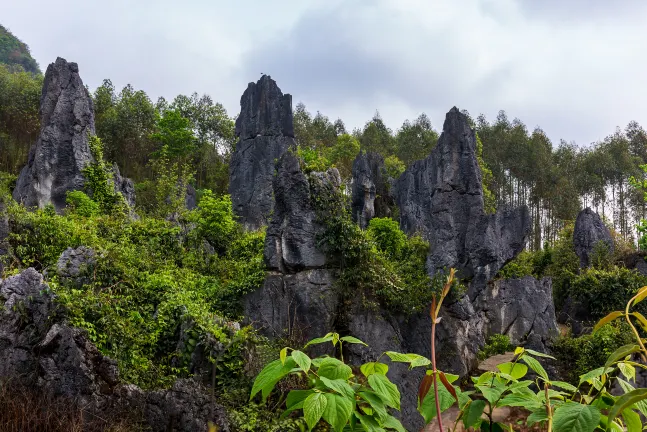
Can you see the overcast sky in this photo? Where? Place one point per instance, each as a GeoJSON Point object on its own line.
{"type": "Point", "coordinates": [577, 68]}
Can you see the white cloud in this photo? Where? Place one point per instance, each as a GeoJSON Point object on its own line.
{"type": "Point", "coordinates": [575, 68]}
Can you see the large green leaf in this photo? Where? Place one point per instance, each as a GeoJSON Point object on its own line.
{"type": "Point", "coordinates": [302, 360]}
{"type": "Point", "coordinates": [564, 385]}
{"type": "Point", "coordinates": [537, 416]}
{"type": "Point", "coordinates": [492, 394]}
{"type": "Point", "coordinates": [353, 340]}
{"type": "Point", "coordinates": [334, 369]}
{"type": "Point", "coordinates": [473, 413]}
{"type": "Point", "coordinates": [628, 370]}
{"type": "Point", "coordinates": [338, 411]}
{"type": "Point", "coordinates": [607, 319]}
{"type": "Point", "coordinates": [428, 406]}
{"type": "Point", "coordinates": [640, 296]}
{"type": "Point", "coordinates": [313, 408]}
{"type": "Point", "coordinates": [374, 367]}
{"type": "Point", "coordinates": [521, 400]}
{"type": "Point", "coordinates": [369, 423]}
{"type": "Point", "coordinates": [538, 354]}
{"type": "Point", "coordinates": [621, 353]}
{"type": "Point", "coordinates": [575, 417]}
{"type": "Point", "coordinates": [515, 370]}
{"type": "Point", "coordinates": [376, 403]}
{"type": "Point", "coordinates": [595, 373]}
{"type": "Point", "coordinates": [320, 340]}
{"type": "Point", "coordinates": [625, 401]}
{"type": "Point", "coordinates": [296, 396]}
{"type": "Point", "coordinates": [340, 386]}
{"type": "Point", "coordinates": [632, 420]}
{"type": "Point", "coordinates": [393, 423]}
{"type": "Point", "coordinates": [626, 387]}
{"type": "Point", "coordinates": [535, 366]}
{"type": "Point", "coordinates": [270, 375]}
{"type": "Point", "coordinates": [413, 359]}
{"type": "Point", "coordinates": [385, 389]}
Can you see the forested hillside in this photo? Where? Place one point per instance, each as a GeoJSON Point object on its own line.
{"type": "Point", "coordinates": [15, 54]}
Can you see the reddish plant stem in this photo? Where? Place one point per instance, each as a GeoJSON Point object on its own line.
{"type": "Point", "coordinates": [433, 365]}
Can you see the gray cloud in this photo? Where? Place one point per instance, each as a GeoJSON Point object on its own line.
{"type": "Point", "coordinates": [572, 67]}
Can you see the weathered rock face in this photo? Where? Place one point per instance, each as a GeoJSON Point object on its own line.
{"type": "Point", "coordinates": [265, 130]}
{"type": "Point", "coordinates": [441, 197]}
{"type": "Point", "coordinates": [191, 200]}
{"type": "Point", "coordinates": [4, 235]}
{"type": "Point", "coordinates": [371, 189]}
{"type": "Point", "coordinates": [291, 243]}
{"type": "Point", "coordinates": [57, 159]}
{"type": "Point", "coordinates": [52, 357]}
{"type": "Point", "coordinates": [77, 264]}
{"type": "Point", "coordinates": [589, 230]}
{"type": "Point", "coordinates": [124, 185]}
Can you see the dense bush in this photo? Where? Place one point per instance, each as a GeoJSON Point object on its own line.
{"type": "Point", "coordinates": [151, 284]}
{"type": "Point", "coordinates": [576, 356]}
{"type": "Point", "coordinates": [496, 344]}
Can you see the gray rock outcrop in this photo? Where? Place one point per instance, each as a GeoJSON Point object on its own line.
{"type": "Point", "coordinates": [76, 264]}
{"type": "Point", "coordinates": [61, 152]}
{"type": "Point", "coordinates": [124, 185]}
{"type": "Point", "coordinates": [4, 235]}
{"type": "Point", "coordinates": [57, 159]}
{"type": "Point", "coordinates": [589, 231]}
{"type": "Point", "coordinates": [291, 239]}
{"type": "Point", "coordinates": [371, 195]}
{"type": "Point", "coordinates": [265, 131]}
{"type": "Point", "coordinates": [441, 197]}
{"type": "Point", "coordinates": [51, 357]}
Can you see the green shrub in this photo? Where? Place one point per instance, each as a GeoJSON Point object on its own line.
{"type": "Point", "coordinates": [81, 204]}
{"type": "Point", "coordinates": [387, 235]}
{"type": "Point", "coordinates": [496, 344]}
{"type": "Point", "coordinates": [312, 160]}
{"type": "Point", "coordinates": [521, 266]}
{"type": "Point", "coordinates": [215, 220]}
{"type": "Point", "coordinates": [576, 356]}
{"type": "Point", "coordinates": [604, 291]}
{"type": "Point", "coordinates": [99, 181]}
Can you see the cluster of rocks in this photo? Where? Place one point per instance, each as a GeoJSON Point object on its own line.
{"type": "Point", "coordinates": [441, 198]}
{"type": "Point", "coordinates": [44, 353]}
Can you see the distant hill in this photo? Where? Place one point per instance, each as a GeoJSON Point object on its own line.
{"type": "Point", "coordinates": [14, 53]}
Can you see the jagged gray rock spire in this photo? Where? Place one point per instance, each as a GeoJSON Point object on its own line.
{"type": "Point", "coordinates": [371, 195]}
{"type": "Point", "coordinates": [56, 160]}
{"type": "Point", "coordinates": [265, 130]}
{"type": "Point", "coordinates": [589, 230]}
{"type": "Point", "coordinates": [441, 197]}
{"type": "Point", "coordinates": [61, 152]}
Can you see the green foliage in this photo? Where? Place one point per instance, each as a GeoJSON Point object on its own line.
{"type": "Point", "coordinates": [19, 119]}
{"type": "Point", "coordinates": [7, 182]}
{"type": "Point", "coordinates": [522, 265]}
{"type": "Point", "coordinates": [174, 137]}
{"type": "Point", "coordinates": [99, 182]}
{"type": "Point", "coordinates": [576, 356]}
{"type": "Point", "coordinates": [312, 160]}
{"type": "Point", "coordinates": [387, 236]}
{"type": "Point", "coordinates": [381, 261]}
{"type": "Point", "coordinates": [496, 344]}
{"type": "Point", "coordinates": [394, 166]}
{"type": "Point", "coordinates": [150, 287]}
{"type": "Point", "coordinates": [81, 204]}
{"type": "Point", "coordinates": [15, 54]}
{"type": "Point", "coordinates": [333, 393]}
{"type": "Point", "coordinates": [343, 153]}
{"type": "Point", "coordinates": [215, 220]}
{"type": "Point", "coordinates": [602, 291]}
{"type": "Point", "coordinates": [487, 179]}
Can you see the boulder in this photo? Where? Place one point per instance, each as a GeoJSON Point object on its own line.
{"type": "Point", "coordinates": [76, 264]}
{"type": "Point", "coordinates": [57, 159]}
{"type": "Point", "coordinates": [265, 131]}
{"type": "Point", "coordinates": [588, 232]}
{"type": "Point", "coordinates": [49, 356]}
{"type": "Point", "coordinates": [371, 194]}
